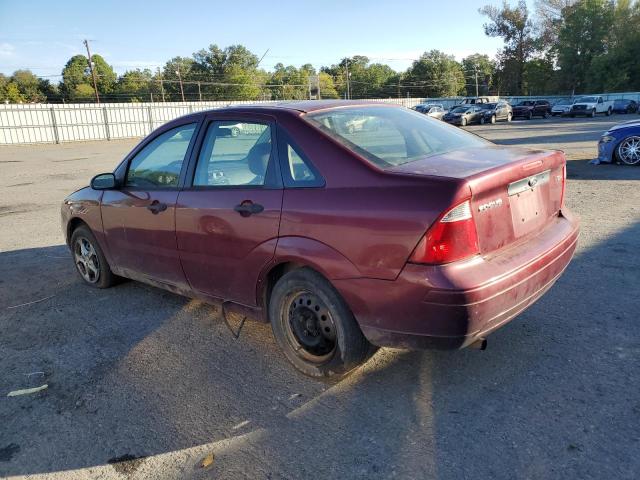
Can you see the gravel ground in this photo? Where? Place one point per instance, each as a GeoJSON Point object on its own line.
{"type": "Point", "coordinates": [145, 384]}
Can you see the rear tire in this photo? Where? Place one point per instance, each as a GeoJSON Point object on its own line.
{"type": "Point", "coordinates": [609, 112]}
{"type": "Point", "coordinates": [529, 115]}
{"type": "Point", "coordinates": [463, 122]}
{"type": "Point", "coordinates": [89, 259]}
{"type": "Point", "coordinates": [314, 327]}
{"type": "Point", "coordinates": [509, 117]}
{"type": "Point", "coordinates": [482, 120]}
{"type": "Point", "coordinates": [493, 119]}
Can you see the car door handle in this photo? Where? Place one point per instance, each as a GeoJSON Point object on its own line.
{"type": "Point", "coordinates": [248, 208]}
{"type": "Point", "coordinates": [157, 207]}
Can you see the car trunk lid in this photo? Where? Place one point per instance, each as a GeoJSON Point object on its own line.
{"type": "Point", "coordinates": [514, 191]}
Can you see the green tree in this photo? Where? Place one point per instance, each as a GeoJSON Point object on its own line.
{"type": "Point", "coordinates": [434, 74]}
{"type": "Point", "coordinates": [13, 94]}
{"type": "Point", "coordinates": [539, 77]}
{"type": "Point", "coordinates": [231, 73]}
{"type": "Point", "coordinates": [105, 75]}
{"type": "Point", "coordinates": [485, 69]}
{"type": "Point", "coordinates": [136, 86]}
{"type": "Point", "coordinates": [583, 37]}
{"type": "Point", "coordinates": [28, 86]}
{"type": "Point", "coordinates": [74, 73]}
{"type": "Point", "coordinates": [516, 28]}
{"type": "Point", "coordinates": [618, 69]}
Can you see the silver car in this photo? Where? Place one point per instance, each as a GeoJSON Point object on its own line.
{"type": "Point", "coordinates": [435, 110]}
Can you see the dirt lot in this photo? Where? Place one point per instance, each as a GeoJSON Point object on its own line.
{"type": "Point", "coordinates": [146, 384]}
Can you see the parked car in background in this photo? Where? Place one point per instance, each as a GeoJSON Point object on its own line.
{"type": "Point", "coordinates": [532, 108]}
{"type": "Point", "coordinates": [590, 106]}
{"type": "Point", "coordinates": [621, 143]}
{"type": "Point", "coordinates": [416, 235]}
{"type": "Point", "coordinates": [463, 115]}
{"type": "Point", "coordinates": [496, 111]}
{"type": "Point", "coordinates": [562, 108]}
{"type": "Point", "coordinates": [625, 106]}
{"type": "Point", "coordinates": [475, 101]}
{"type": "Point", "coordinates": [434, 110]}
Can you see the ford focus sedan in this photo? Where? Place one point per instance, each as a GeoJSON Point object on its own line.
{"type": "Point", "coordinates": [412, 234]}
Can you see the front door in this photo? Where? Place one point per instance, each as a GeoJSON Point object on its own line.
{"type": "Point", "coordinates": [228, 214]}
{"type": "Point", "coordinates": [139, 217]}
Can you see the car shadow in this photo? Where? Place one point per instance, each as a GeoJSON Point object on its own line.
{"type": "Point", "coordinates": [136, 373]}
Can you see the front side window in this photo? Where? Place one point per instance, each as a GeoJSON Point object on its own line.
{"type": "Point", "coordinates": [159, 163]}
{"type": "Point", "coordinates": [234, 154]}
{"type": "Point", "coordinates": [390, 136]}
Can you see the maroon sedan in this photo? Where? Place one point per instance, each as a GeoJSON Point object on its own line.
{"type": "Point", "coordinates": [346, 225]}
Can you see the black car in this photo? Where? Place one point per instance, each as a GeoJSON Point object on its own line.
{"type": "Point", "coordinates": [625, 106]}
{"type": "Point", "coordinates": [495, 111]}
{"type": "Point", "coordinates": [464, 115]}
{"type": "Point", "coordinates": [532, 108]}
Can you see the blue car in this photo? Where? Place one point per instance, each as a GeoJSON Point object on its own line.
{"type": "Point", "coordinates": [621, 143]}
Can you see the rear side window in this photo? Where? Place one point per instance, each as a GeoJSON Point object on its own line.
{"type": "Point", "coordinates": [297, 169]}
{"type": "Point", "coordinates": [390, 136]}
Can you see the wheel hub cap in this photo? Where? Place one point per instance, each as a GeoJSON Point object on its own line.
{"type": "Point", "coordinates": [86, 260]}
{"type": "Point", "coordinates": [311, 325]}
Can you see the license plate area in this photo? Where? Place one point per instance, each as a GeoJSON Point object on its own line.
{"type": "Point", "coordinates": [528, 201]}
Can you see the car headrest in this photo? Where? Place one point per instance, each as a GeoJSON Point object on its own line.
{"type": "Point", "coordinates": [258, 158]}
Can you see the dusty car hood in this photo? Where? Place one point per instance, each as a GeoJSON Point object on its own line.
{"type": "Point", "coordinates": [466, 162]}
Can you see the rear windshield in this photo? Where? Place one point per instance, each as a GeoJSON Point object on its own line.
{"type": "Point", "coordinates": [389, 136]}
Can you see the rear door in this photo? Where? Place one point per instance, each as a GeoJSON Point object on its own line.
{"type": "Point", "coordinates": [139, 217]}
{"type": "Point", "coordinates": [228, 214]}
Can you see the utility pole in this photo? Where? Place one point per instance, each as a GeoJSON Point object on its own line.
{"type": "Point", "coordinates": [161, 84]}
{"type": "Point", "coordinates": [199, 92]}
{"type": "Point", "coordinates": [346, 65]}
{"type": "Point", "coordinates": [476, 72]}
{"type": "Point", "coordinates": [180, 80]}
{"type": "Point", "coordinates": [93, 72]}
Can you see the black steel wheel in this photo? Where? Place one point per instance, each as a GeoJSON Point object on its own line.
{"type": "Point", "coordinates": [314, 327]}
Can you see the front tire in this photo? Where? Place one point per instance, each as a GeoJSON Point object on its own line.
{"type": "Point", "coordinates": [609, 112]}
{"type": "Point", "coordinates": [463, 122]}
{"type": "Point", "coordinates": [509, 117]}
{"type": "Point", "coordinates": [89, 259]}
{"type": "Point", "coordinates": [529, 115]}
{"type": "Point", "coordinates": [482, 120]}
{"type": "Point", "coordinates": [314, 327]}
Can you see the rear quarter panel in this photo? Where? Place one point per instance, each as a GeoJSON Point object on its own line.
{"type": "Point", "coordinates": [370, 217]}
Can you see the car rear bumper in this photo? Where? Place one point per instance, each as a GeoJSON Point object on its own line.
{"type": "Point", "coordinates": [452, 306]}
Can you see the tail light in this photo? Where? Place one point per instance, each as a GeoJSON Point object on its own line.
{"type": "Point", "coordinates": [452, 237]}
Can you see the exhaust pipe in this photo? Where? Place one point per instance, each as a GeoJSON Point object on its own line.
{"type": "Point", "coordinates": [479, 344]}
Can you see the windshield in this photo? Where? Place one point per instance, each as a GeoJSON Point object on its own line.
{"type": "Point", "coordinates": [526, 103]}
{"type": "Point", "coordinates": [564, 102]}
{"type": "Point", "coordinates": [587, 100]}
{"type": "Point", "coordinates": [460, 109]}
{"type": "Point", "coordinates": [488, 106]}
{"type": "Point", "coordinates": [391, 136]}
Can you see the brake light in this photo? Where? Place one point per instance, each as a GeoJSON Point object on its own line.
{"type": "Point", "coordinates": [453, 237]}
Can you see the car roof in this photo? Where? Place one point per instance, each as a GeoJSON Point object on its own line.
{"type": "Point", "coordinates": [305, 106]}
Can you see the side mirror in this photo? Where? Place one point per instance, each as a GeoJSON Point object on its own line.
{"type": "Point", "coordinates": [103, 181]}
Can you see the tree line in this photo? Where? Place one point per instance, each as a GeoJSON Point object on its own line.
{"type": "Point", "coordinates": [561, 47]}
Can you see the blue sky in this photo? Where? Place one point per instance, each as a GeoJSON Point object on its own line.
{"type": "Point", "coordinates": [42, 36]}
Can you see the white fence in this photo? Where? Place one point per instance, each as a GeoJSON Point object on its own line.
{"type": "Point", "coordinates": [54, 123]}
{"type": "Point", "coordinates": [42, 123]}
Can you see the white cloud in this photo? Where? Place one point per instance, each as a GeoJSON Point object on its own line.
{"type": "Point", "coordinates": [6, 50]}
